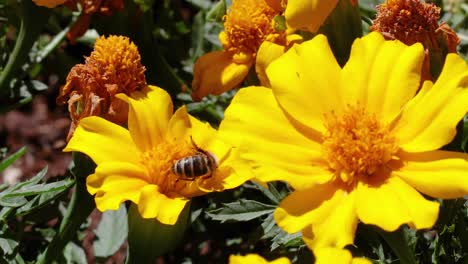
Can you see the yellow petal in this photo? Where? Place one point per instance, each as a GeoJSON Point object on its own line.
{"type": "Point", "coordinates": [440, 174]}
{"type": "Point", "coordinates": [149, 115]}
{"type": "Point", "coordinates": [308, 14]}
{"type": "Point", "coordinates": [332, 255]}
{"type": "Point", "coordinates": [430, 121]}
{"type": "Point", "coordinates": [267, 53]}
{"type": "Point", "coordinates": [255, 123]}
{"type": "Point", "coordinates": [216, 73]}
{"type": "Point", "coordinates": [114, 183]}
{"type": "Point", "coordinates": [256, 259]}
{"type": "Point", "coordinates": [382, 75]}
{"type": "Point", "coordinates": [305, 81]}
{"type": "Point", "coordinates": [336, 255]}
{"type": "Point", "coordinates": [393, 203]}
{"type": "Point", "coordinates": [153, 204]}
{"type": "Point", "coordinates": [99, 138]}
{"type": "Point", "coordinates": [179, 128]}
{"type": "Point", "coordinates": [337, 229]}
{"type": "Point", "coordinates": [327, 208]}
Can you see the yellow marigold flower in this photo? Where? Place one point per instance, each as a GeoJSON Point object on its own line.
{"type": "Point", "coordinates": [113, 67]}
{"type": "Point", "coordinates": [49, 3]}
{"type": "Point", "coordinates": [137, 164]}
{"type": "Point", "coordinates": [256, 259]}
{"type": "Point", "coordinates": [247, 25]}
{"type": "Point", "coordinates": [337, 256]}
{"type": "Point", "coordinates": [356, 143]}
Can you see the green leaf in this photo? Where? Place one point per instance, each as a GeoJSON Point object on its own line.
{"type": "Point", "coordinates": [111, 232]}
{"type": "Point", "coordinates": [217, 12]}
{"type": "Point", "coordinates": [74, 254]}
{"type": "Point", "coordinates": [8, 246]}
{"type": "Point", "coordinates": [397, 241]}
{"type": "Point", "coordinates": [12, 158]}
{"type": "Point", "coordinates": [42, 188]}
{"type": "Point", "coordinates": [242, 210]}
{"type": "Point", "coordinates": [34, 180]}
{"type": "Point", "coordinates": [39, 201]}
{"type": "Point", "coordinates": [12, 201]}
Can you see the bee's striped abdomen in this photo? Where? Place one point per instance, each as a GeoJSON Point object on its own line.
{"type": "Point", "coordinates": [191, 167]}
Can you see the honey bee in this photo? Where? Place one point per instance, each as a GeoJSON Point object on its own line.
{"type": "Point", "coordinates": [202, 164]}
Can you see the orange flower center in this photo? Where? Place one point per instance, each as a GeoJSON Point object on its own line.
{"type": "Point", "coordinates": [159, 162]}
{"type": "Point", "coordinates": [247, 24]}
{"type": "Point", "coordinates": [356, 144]}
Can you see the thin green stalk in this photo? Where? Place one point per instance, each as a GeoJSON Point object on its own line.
{"type": "Point", "coordinates": [81, 206]}
{"type": "Point", "coordinates": [33, 18]}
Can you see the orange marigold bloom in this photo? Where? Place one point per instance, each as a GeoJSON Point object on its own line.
{"type": "Point", "coordinates": [247, 25]}
{"type": "Point", "coordinates": [49, 3]}
{"type": "Point", "coordinates": [113, 67]}
{"type": "Point", "coordinates": [412, 21]}
{"type": "Point", "coordinates": [90, 7]}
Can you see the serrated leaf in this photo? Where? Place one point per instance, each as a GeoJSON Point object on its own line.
{"type": "Point", "coordinates": [37, 178]}
{"type": "Point", "coordinates": [111, 232]}
{"type": "Point", "coordinates": [41, 188]}
{"type": "Point", "coordinates": [12, 158]}
{"type": "Point", "coordinates": [8, 246]}
{"type": "Point", "coordinates": [12, 201]}
{"type": "Point", "coordinates": [217, 12]}
{"type": "Point", "coordinates": [242, 210]}
{"type": "Point", "coordinates": [74, 254]}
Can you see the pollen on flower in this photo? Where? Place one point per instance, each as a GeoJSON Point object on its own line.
{"type": "Point", "coordinates": [247, 24]}
{"type": "Point", "coordinates": [113, 67]}
{"type": "Point", "coordinates": [159, 162]}
{"type": "Point", "coordinates": [356, 143]}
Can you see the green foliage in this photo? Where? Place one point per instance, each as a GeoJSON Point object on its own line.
{"type": "Point", "coordinates": [41, 223]}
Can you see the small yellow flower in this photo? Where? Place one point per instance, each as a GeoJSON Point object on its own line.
{"type": "Point", "coordinates": [247, 25]}
{"type": "Point", "coordinates": [356, 143]}
{"type": "Point", "coordinates": [256, 259]}
{"type": "Point", "coordinates": [113, 67]}
{"type": "Point", "coordinates": [337, 256]}
{"type": "Point", "coordinates": [49, 3]}
{"type": "Point", "coordinates": [136, 164]}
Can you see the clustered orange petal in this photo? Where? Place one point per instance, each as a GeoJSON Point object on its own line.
{"type": "Point", "coordinates": [247, 24]}
{"type": "Point", "coordinates": [90, 7]}
{"type": "Point", "coordinates": [356, 144]}
{"type": "Point", "coordinates": [113, 67]}
{"type": "Point", "coordinates": [412, 21]}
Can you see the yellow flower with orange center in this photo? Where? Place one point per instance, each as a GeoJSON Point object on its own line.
{"type": "Point", "coordinates": [113, 67]}
{"type": "Point", "coordinates": [256, 259]}
{"type": "Point", "coordinates": [356, 143]}
{"type": "Point", "coordinates": [138, 164]}
{"type": "Point", "coordinates": [247, 25]}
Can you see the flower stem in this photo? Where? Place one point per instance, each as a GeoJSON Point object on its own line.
{"type": "Point", "coordinates": [33, 18]}
{"type": "Point", "coordinates": [81, 206]}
